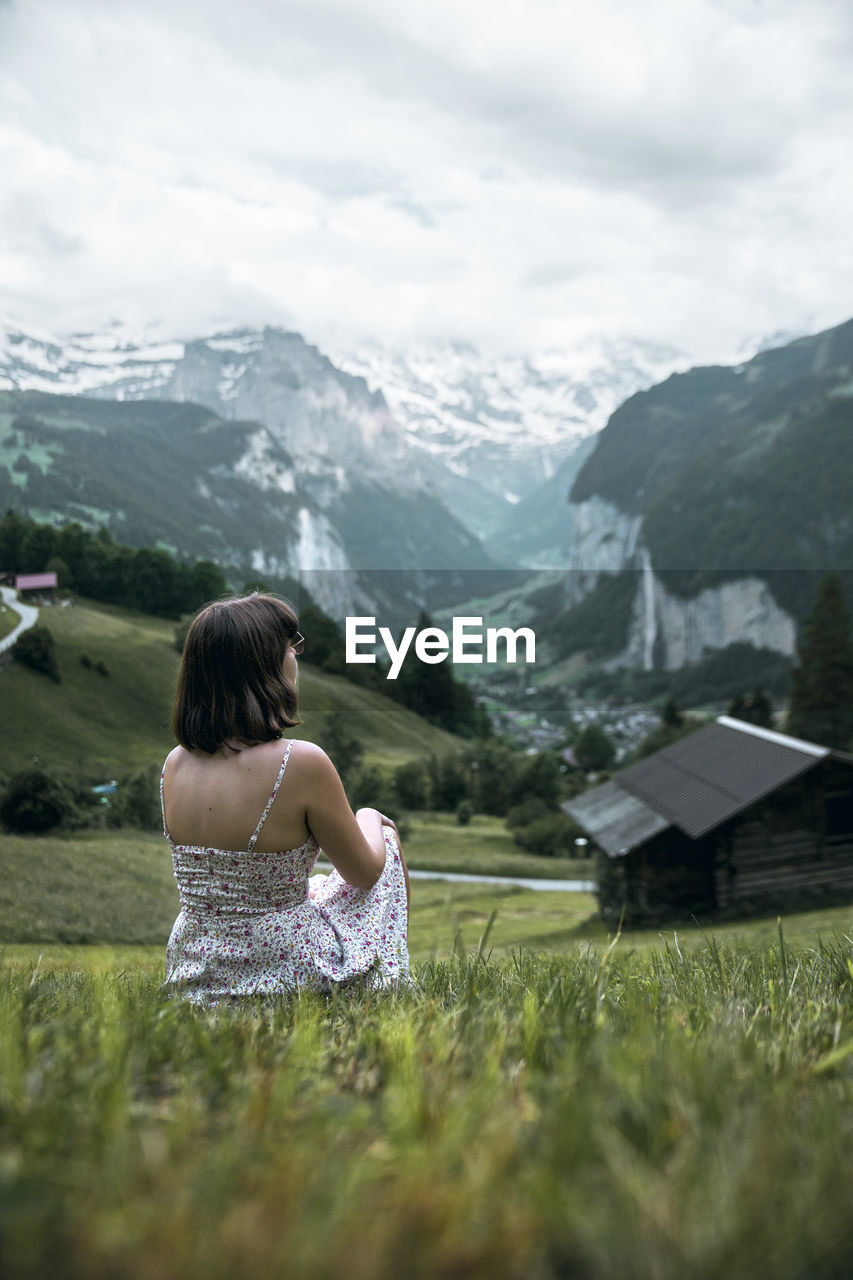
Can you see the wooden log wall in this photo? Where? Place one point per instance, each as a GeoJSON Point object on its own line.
{"type": "Point", "coordinates": [759, 866]}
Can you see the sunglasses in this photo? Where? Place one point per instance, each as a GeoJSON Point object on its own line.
{"type": "Point", "coordinates": [297, 644]}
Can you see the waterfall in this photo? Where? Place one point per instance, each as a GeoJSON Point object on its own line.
{"type": "Point", "coordinates": [649, 612]}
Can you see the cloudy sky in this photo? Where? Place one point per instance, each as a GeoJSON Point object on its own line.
{"type": "Point", "coordinates": [516, 173]}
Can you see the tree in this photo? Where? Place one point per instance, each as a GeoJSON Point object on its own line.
{"type": "Point", "coordinates": [324, 640]}
{"type": "Point", "coordinates": [39, 546]}
{"type": "Point", "coordinates": [63, 574]}
{"type": "Point", "coordinates": [154, 582]}
{"type": "Point", "coordinates": [663, 735]}
{"type": "Point", "coordinates": [464, 812]}
{"type": "Point", "coordinates": [341, 744]}
{"type": "Point", "coordinates": [426, 688]}
{"type": "Point", "coordinates": [448, 782]}
{"type": "Point", "coordinates": [367, 786]}
{"type": "Point", "coordinates": [593, 750]}
{"type": "Point", "coordinates": [208, 582]}
{"type": "Point", "coordinates": [432, 691]}
{"type": "Point", "coordinates": [539, 778]}
{"type": "Point", "coordinates": [821, 708]}
{"type": "Point", "coordinates": [671, 714]}
{"type": "Point", "coordinates": [14, 530]}
{"type": "Point", "coordinates": [754, 708]}
{"type": "Point", "coordinates": [493, 769]}
{"type": "Point", "coordinates": [411, 781]}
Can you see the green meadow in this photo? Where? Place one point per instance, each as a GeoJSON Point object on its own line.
{"type": "Point", "coordinates": [9, 619]}
{"type": "Point", "coordinates": [546, 1101]}
{"type": "Point", "coordinates": [596, 1111]}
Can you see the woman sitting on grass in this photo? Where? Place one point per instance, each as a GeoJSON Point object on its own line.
{"type": "Point", "coordinates": [245, 837]}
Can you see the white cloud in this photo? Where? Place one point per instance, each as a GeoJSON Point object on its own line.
{"type": "Point", "coordinates": [515, 174]}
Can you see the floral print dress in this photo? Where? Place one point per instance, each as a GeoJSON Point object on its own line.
{"type": "Point", "coordinates": [247, 925]}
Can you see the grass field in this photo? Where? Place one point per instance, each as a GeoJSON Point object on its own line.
{"type": "Point", "coordinates": [546, 1102]}
{"type": "Point", "coordinates": [9, 619]}
{"type": "Point", "coordinates": [484, 847]}
{"type": "Point", "coordinates": [665, 1113]}
{"type": "Point", "coordinates": [116, 889]}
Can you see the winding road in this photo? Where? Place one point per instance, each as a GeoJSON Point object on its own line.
{"type": "Point", "coordinates": [28, 614]}
{"type": "Point", "coordinates": [564, 886]}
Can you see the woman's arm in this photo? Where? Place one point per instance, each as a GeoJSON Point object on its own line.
{"type": "Point", "coordinates": [353, 843]}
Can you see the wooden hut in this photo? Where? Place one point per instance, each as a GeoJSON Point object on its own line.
{"type": "Point", "coordinates": [42, 586]}
{"type": "Point", "coordinates": [730, 816]}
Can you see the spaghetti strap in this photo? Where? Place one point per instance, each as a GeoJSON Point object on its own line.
{"type": "Point", "coordinates": [263, 819]}
{"type": "Point", "coordinates": [163, 803]}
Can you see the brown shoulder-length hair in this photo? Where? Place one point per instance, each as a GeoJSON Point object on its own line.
{"type": "Point", "coordinates": [231, 681]}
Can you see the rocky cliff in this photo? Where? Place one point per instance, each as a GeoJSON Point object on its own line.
{"type": "Point", "coordinates": [726, 490]}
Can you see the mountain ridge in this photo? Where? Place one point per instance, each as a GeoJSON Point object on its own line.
{"type": "Point", "coordinates": [228, 490]}
{"type": "Point", "coordinates": [478, 434]}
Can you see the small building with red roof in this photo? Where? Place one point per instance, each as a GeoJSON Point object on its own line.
{"type": "Point", "coordinates": [44, 583]}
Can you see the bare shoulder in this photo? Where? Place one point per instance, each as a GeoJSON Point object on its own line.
{"type": "Point", "coordinates": [315, 774]}
{"type": "Point", "coordinates": [308, 751]}
{"type": "Point", "coordinates": [174, 756]}
{"type": "Point", "coordinates": [310, 761]}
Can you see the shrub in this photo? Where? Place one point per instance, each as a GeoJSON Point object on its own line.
{"type": "Point", "coordinates": [136, 803]}
{"type": "Point", "coordinates": [521, 815]}
{"type": "Point", "coordinates": [538, 777]}
{"type": "Point", "coordinates": [449, 782]}
{"type": "Point", "coordinates": [551, 836]}
{"type": "Point", "coordinates": [464, 812]}
{"type": "Point", "coordinates": [412, 784]}
{"type": "Point", "coordinates": [368, 788]}
{"type": "Point", "coordinates": [36, 801]}
{"type": "Point", "coordinates": [35, 648]}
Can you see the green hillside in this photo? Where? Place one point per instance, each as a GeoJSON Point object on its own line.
{"type": "Point", "coordinates": [135, 466]}
{"type": "Point", "coordinates": [104, 725]}
{"type": "Point", "coordinates": [8, 619]}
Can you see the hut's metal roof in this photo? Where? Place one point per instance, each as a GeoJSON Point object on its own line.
{"type": "Point", "coordinates": [712, 774]}
{"type": "Point", "coordinates": [695, 784]}
{"type": "Point", "coordinates": [615, 819]}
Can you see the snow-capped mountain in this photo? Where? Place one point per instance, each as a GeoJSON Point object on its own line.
{"type": "Point", "coordinates": [293, 465]}
{"type": "Point", "coordinates": [116, 361]}
{"type": "Point", "coordinates": [480, 434]}
{"type": "Point", "coordinates": [504, 425]}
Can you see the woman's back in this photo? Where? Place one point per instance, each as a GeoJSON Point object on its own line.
{"type": "Point", "coordinates": [218, 800]}
{"type": "Point", "coordinates": [251, 920]}
{"type": "Point", "coordinates": [246, 814]}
